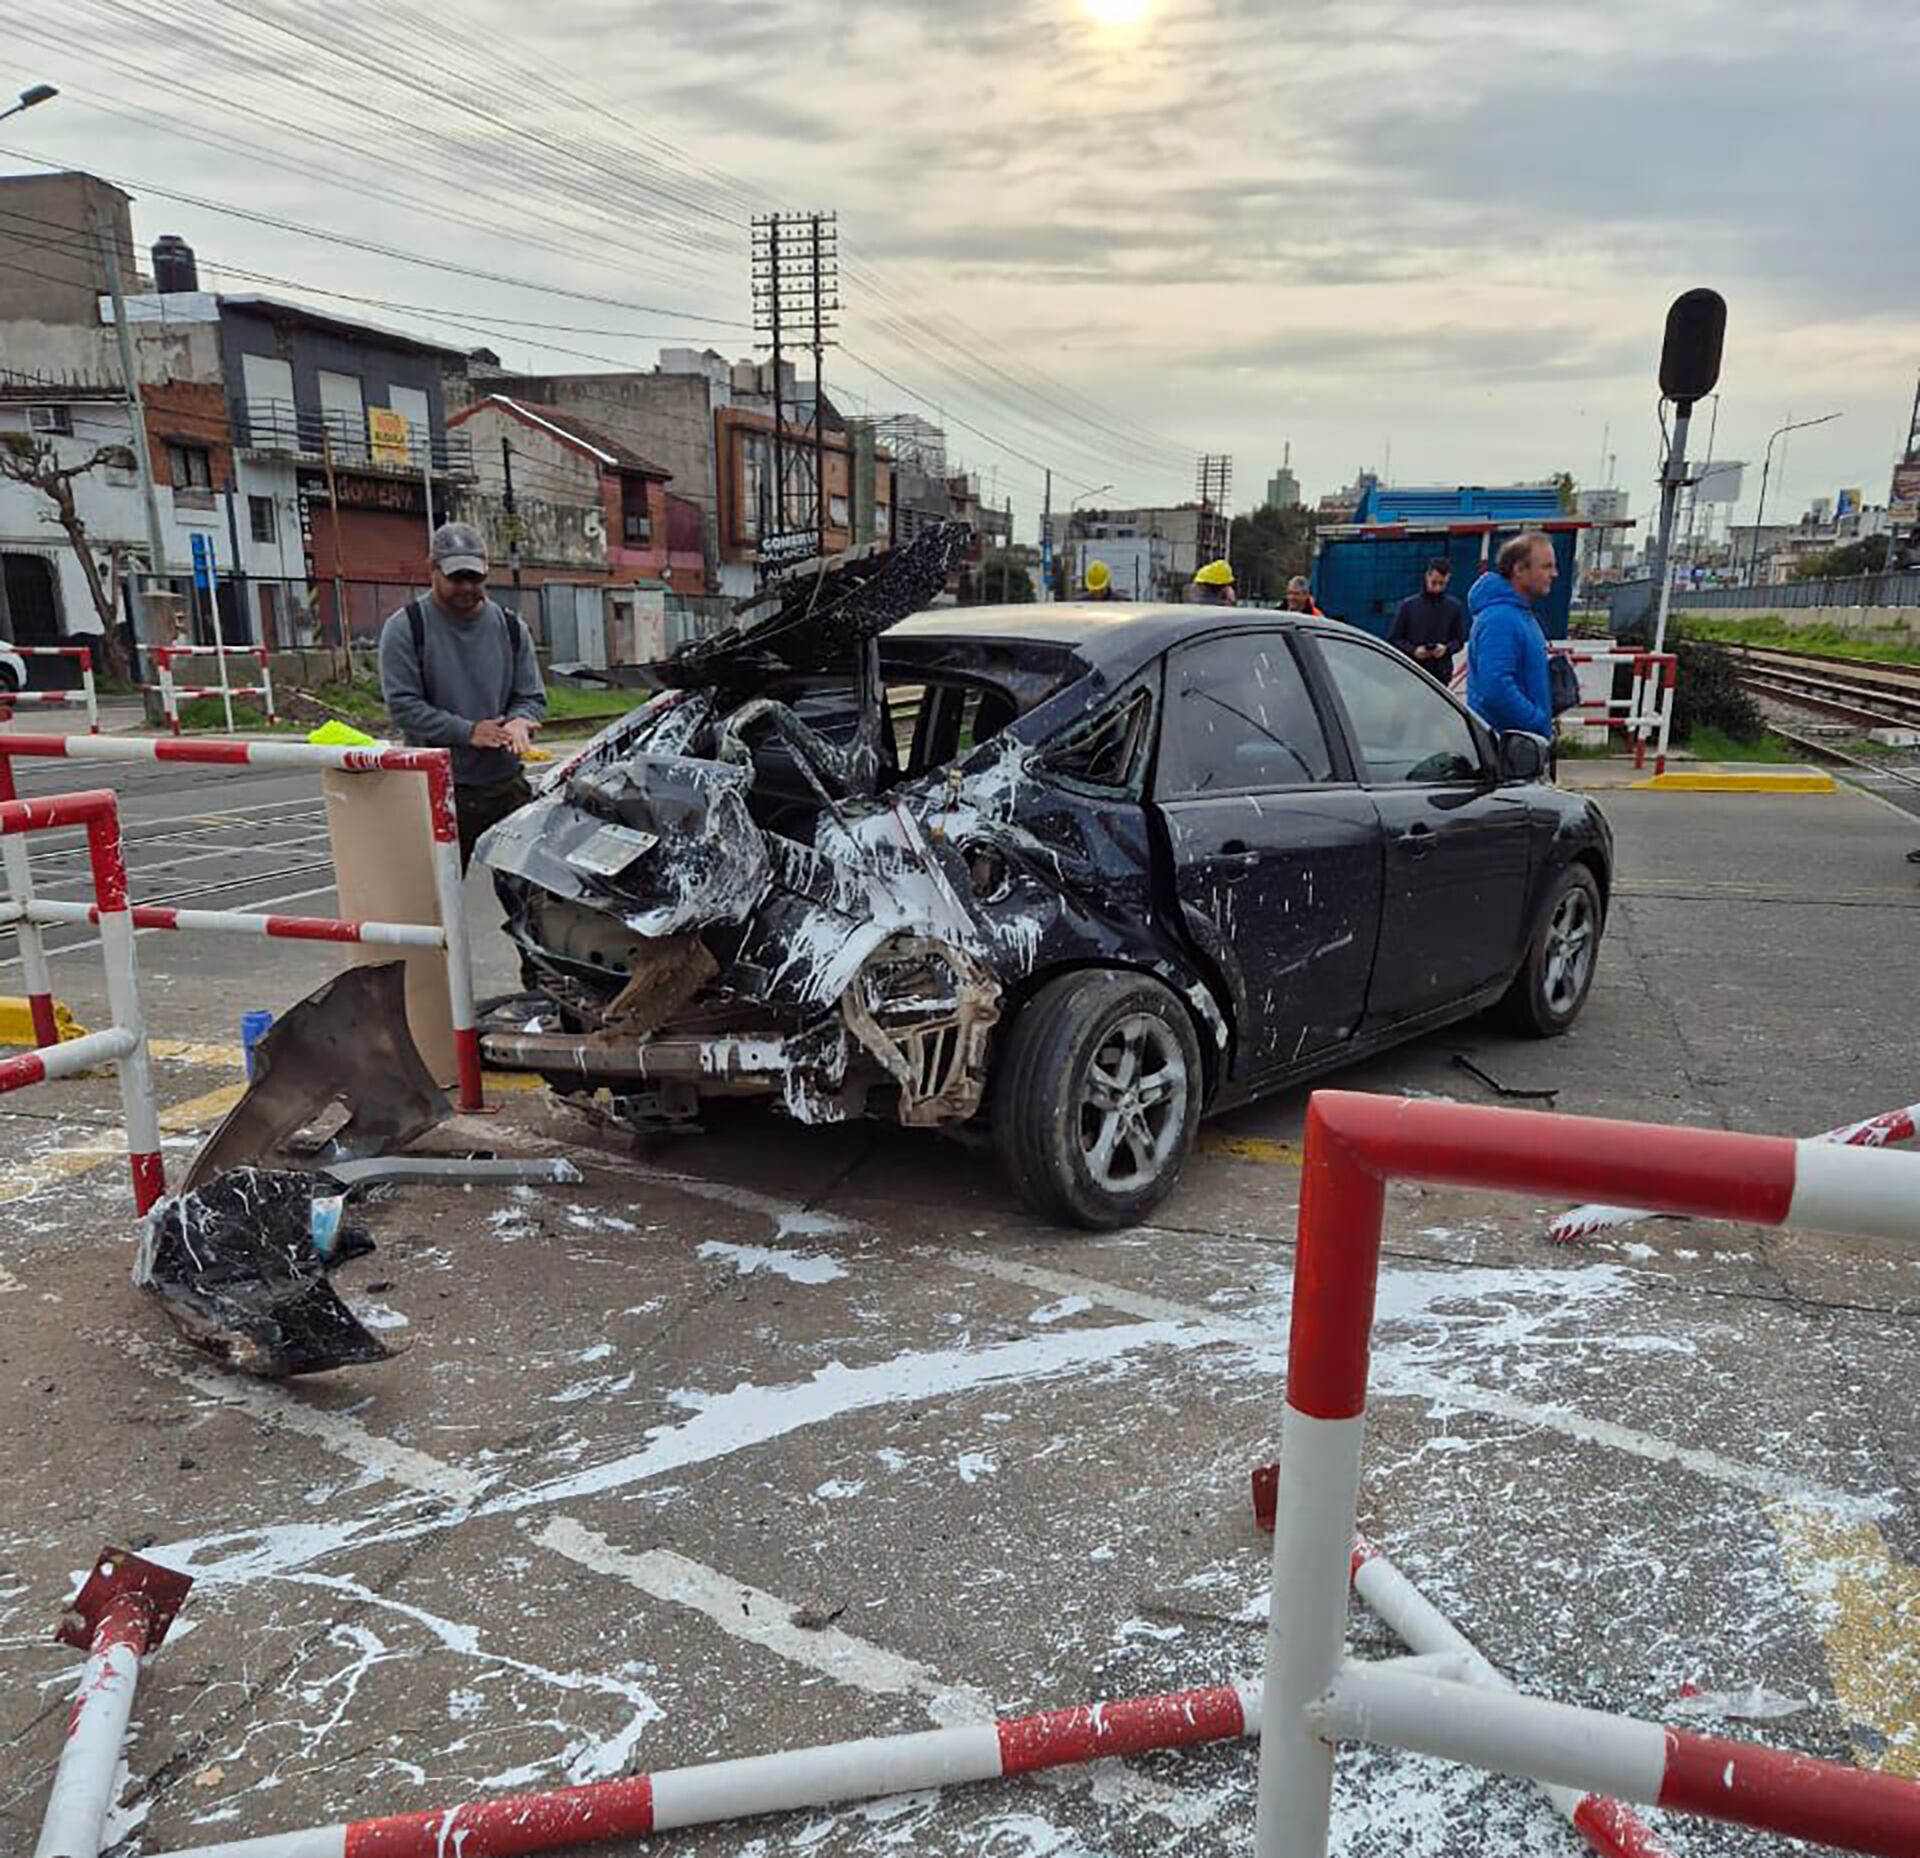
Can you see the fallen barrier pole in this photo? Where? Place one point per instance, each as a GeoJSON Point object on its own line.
{"type": "Point", "coordinates": [1882, 1131]}
{"type": "Point", "coordinates": [124, 1043]}
{"type": "Point", "coordinates": [1613, 1830]}
{"type": "Point", "coordinates": [1313, 1695]}
{"type": "Point", "coordinates": [637, 1806]}
{"type": "Point", "coordinates": [432, 764]}
{"type": "Point", "coordinates": [118, 1618]}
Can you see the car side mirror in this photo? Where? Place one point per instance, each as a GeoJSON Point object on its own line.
{"type": "Point", "coordinates": [1524, 756]}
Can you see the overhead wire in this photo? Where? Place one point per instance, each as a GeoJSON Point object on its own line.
{"type": "Point", "coordinates": [740, 199]}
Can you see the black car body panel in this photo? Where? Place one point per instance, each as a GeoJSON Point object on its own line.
{"type": "Point", "coordinates": [830, 882]}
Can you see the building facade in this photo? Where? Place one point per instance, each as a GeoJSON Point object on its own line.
{"type": "Point", "coordinates": [601, 539]}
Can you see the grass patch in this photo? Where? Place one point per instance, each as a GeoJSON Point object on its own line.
{"type": "Point", "coordinates": [1769, 629]}
{"type": "Point", "coordinates": [199, 713]}
{"type": "Point", "coordinates": [569, 703]}
{"type": "Point", "coordinates": [1711, 744]}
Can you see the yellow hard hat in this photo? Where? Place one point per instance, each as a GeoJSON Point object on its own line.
{"type": "Point", "coordinates": [1215, 574]}
{"type": "Point", "coordinates": [1099, 577]}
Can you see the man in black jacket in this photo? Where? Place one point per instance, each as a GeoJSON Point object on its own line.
{"type": "Point", "coordinates": [1431, 626]}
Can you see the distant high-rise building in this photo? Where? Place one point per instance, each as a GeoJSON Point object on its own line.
{"type": "Point", "coordinates": [1283, 490]}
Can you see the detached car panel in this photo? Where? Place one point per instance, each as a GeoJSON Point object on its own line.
{"type": "Point", "coordinates": [1073, 873]}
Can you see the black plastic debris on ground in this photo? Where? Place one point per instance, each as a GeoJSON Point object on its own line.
{"type": "Point", "coordinates": [235, 1266]}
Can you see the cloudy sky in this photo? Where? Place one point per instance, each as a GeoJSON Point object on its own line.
{"type": "Point", "coordinates": [1096, 235]}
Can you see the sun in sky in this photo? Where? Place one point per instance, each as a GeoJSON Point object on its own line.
{"type": "Point", "coordinates": [1117, 14]}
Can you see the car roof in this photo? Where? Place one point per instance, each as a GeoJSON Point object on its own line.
{"type": "Point", "coordinates": [1111, 635]}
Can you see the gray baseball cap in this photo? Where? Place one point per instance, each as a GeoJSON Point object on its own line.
{"type": "Point", "coordinates": [456, 548]}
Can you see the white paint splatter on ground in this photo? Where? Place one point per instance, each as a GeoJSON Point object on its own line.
{"type": "Point", "coordinates": [1059, 1312]}
{"type": "Point", "coordinates": [798, 1267]}
{"type": "Point", "coordinates": [971, 1467]}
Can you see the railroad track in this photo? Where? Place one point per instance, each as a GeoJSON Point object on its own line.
{"type": "Point", "coordinates": [1869, 693]}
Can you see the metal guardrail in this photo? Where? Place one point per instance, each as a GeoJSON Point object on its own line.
{"type": "Point", "coordinates": [314, 433]}
{"type": "Point", "coordinates": [1633, 598]}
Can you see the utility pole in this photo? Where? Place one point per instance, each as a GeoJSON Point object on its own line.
{"type": "Point", "coordinates": [513, 519]}
{"type": "Point", "coordinates": [796, 276]}
{"type": "Point", "coordinates": [137, 414]}
{"type": "Point", "coordinates": [1213, 485]}
{"type": "Point", "coordinates": [344, 636]}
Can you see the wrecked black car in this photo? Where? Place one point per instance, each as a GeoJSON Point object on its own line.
{"type": "Point", "coordinates": [1076, 874]}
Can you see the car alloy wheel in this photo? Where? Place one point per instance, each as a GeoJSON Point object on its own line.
{"type": "Point", "coordinates": [1573, 936]}
{"type": "Point", "coordinates": [1133, 1104]}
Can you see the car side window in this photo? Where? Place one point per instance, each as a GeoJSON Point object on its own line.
{"type": "Point", "coordinates": [1239, 716]}
{"type": "Point", "coordinates": [1407, 730]}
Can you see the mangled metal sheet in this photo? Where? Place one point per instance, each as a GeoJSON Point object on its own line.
{"type": "Point", "coordinates": [817, 621]}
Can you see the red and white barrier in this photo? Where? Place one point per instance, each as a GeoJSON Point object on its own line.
{"type": "Point", "coordinates": [125, 1041]}
{"type": "Point", "coordinates": [638, 1806]}
{"type": "Point", "coordinates": [434, 765]}
{"type": "Point", "coordinates": [1610, 1828]}
{"type": "Point", "coordinates": [118, 1618]}
{"type": "Point", "coordinates": [1882, 1131]}
{"type": "Point", "coordinates": [86, 695]}
{"type": "Point", "coordinates": [1312, 1696]}
{"type": "Point", "coordinates": [171, 693]}
{"type": "Point", "coordinates": [1645, 713]}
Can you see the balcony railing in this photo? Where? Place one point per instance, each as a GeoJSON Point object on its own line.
{"type": "Point", "coordinates": [376, 440]}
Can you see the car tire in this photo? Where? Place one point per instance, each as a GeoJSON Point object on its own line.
{"type": "Point", "coordinates": [1096, 1097]}
{"type": "Point", "coordinates": [1562, 954]}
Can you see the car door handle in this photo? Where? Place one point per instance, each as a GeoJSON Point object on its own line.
{"type": "Point", "coordinates": [1237, 854]}
{"type": "Point", "coordinates": [1418, 839]}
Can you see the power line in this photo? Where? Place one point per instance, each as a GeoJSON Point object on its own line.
{"type": "Point", "coordinates": [1152, 451]}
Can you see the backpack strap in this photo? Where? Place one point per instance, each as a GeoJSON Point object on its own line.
{"type": "Point", "coordinates": [417, 625]}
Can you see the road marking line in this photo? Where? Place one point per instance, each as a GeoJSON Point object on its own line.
{"type": "Point", "coordinates": [64, 1164]}
{"type": "Point", "coordinates": [742, 1611]}
{"type": "Point", "coordinates": [763, 1619]}
{"type": "Point", "coordinates": [1866, 1603]}
{"type": "Point", "coordinates": [1394, 1382]}
{"type": "Point", "coordinates": [188, 1051]}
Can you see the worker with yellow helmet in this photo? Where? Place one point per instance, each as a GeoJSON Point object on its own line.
{"type": "Point", "coordinates": [1213, 586]}
{"type": "Point", "coordinates": [1098, 582]}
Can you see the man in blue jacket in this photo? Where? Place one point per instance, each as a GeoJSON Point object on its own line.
{"type": "Point", "coordinates": [1507, 683]}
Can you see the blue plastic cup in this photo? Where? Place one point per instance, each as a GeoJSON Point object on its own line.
{"type": "Point", "coordinates": [253, 1028]}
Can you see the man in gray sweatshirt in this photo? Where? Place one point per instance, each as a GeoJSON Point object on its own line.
{"type": "Point", "coordinates": [458, 671]}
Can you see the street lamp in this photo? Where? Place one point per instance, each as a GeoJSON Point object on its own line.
{"type": "Point", "coordinates": [1759, 515]}
{"type": "Point", "coordinates": [38, 93]}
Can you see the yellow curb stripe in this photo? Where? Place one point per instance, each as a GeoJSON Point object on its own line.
{"type": "Point", "coordinates": [16, 1021]}
{"type": "Point", "coordinates": [65, 1164]}
{"type": "Point", "coordinates": [1725, 781]}
{"type": "Point", "coordinates": [187, 1051]}
{"type": "Point", "coordinates": [1866, 1604]}
{"type": "Point", "coordinates": [1251, 1148]}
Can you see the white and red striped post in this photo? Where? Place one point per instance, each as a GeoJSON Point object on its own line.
{"type": "Point", "coordinates": [1559, 1744]}
{"type": "Point", "coordinates": [169, 702]}
{"type": "Point", "coordinates": [247, 922]}
{"type": "Point", "coordinates": [118, 1618]}
{"type": "Point", "coordinates": [1611, 1829]}
{"type": "Point", "coordinates": [1354, 1145]}
{"type": "Point", "coordinates": [434, 764]}
{"type": "Point", "coordinates": [89, 694]}
{"type": "Point", "coordinates": [266, 683]}
{"type": "Point", "coordinates": [638, 1806]}
{"type": "Point", "coordinates": [33, 947]}
{"type": "Point", "coordinates": [99, 813]}
{"type": "Point", "coordinates": [1882, 1131]}
{"type": "Point", "coordinates": [450, 883]}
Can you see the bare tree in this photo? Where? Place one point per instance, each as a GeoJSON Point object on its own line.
{"type": "Point", "coordinates": [35, 463]}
